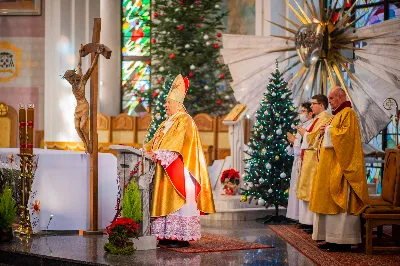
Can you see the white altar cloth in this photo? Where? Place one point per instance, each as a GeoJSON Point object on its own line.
{"type": "Point", "coordinates": [62, 184]}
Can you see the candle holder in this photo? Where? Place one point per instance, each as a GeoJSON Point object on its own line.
{"type": "Point", "coordinates": [22, 207]}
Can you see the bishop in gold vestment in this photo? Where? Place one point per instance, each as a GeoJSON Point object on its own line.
{"type": "Point", "coordinates": [339, 190]}
{"type": "Point", "coordinates": [181, 188]}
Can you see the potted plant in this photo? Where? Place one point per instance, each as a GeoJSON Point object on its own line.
{"type": "Point", "coordinates": [118, 236]}
{"type": "Point", "coordinates": [8, 212]}
{"type": "Point", "coordinates": [230, 179]}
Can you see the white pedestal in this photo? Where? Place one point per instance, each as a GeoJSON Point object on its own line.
{"type": "Point", "coordinates": [145, 242]}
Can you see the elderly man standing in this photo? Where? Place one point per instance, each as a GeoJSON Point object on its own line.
{"type": "Point", "coordinates": [339, 190]}
{"type": "Point", "coordinates": [182, 189]}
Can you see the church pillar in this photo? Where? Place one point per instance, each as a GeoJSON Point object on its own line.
{"type": "Point", "coordinates": [110, 70]}
{"type": "Point", "coordinates": [68, 24]}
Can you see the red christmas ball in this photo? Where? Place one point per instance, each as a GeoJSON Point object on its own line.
{"type": "Point", "coordinates": [215, 45]}
{"type": "Point", "coordinates": [222, 76]}
{"type": "Point", "coordinates": [155, 94]}
{"type": "Point", "coordinates": [180, 27]}
{"type": "Point", "coordinates": [199, 25]}
{"type": "Point", "coordinates": [140, 100]}
{"type": "Point", "coordinates": [158, 81]}
{"type": "Point", "coordinates": [155, 15]}
{"type": "Point", "coordinates": [219, 35]}
{"type": "Point", "coordinates": [191, 74]}
{"type": "Point", "coordinates": [181, 2]}
{"type": "Point", "coordinates": [172, 56]}
{"type": "Point", "coordinates": [219, 102]}
{"type": "Point", "coordinates": [153, 40]}
{"type": "Point", "coordinates": [197, 2]}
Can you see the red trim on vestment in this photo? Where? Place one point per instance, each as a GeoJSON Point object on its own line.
{"type": "Point", "coordinates": [176, 174]}
{"type": "Point", "coordinates": [308, 130]}
{"type": "Point", "coordinates": [341, 107]}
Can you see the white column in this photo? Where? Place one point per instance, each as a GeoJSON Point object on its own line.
{"type": "Point", "coordinates": [110, 69]}
{"type": "Point", "coordinates": [68, 24]}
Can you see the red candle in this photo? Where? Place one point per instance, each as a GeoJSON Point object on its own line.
{"type": "Point", "coordinates": [22, 128]}
{"type": "Point", "coordinates": [30, 113]}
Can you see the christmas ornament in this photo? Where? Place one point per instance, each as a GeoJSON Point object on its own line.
{"type": "Point", "coordinates": [155, 15]}
{"type": "Point", "coordinates": [206, 87]}
{"type": "Point", "coordinates": [215, 45]}
{"type": "Point", "coordinates": [308, 41]}
{"type": "Point", "coordinates": [176, 9]}
{"type": "Point", "coordinates": [284, 96]}
{"type": "Point", "coordinates": [187, 46]}
{"type": "Point", "coordinates": [180, 27]}
{"type": "Point", "coordinates": [197, 2]}
{"type": "Point", "coordinates": [227, 97]}
{"type": "Point", "coordinates": [219, 35]}
{"type": "Point", "coordinates": [140, 100]}
{"type": "Point", "coordinates": [155, 94]}
{"type": "Point", "coordinates": [181, 2]}
{"type": "Point", "coordinates": [250, 184]}
{"type": "Point", "coordinates": [208, 43]}
{"type": "Point", "coordinates": [172, 56]}
{"type": "Point", "coordinates": [199, 25]}
{"type": "Point", "coordinates": [273, 94]}
{"type": "Point", "coordinates": [153, 40]}
{"type": "Point", "coordinates": [291, 108]}
{"type": "Point", "coordinates": [276, 114]}
{"type": "Point", "coordinates": [293, 126]}
{"type": "Point", "coordinates": [261, 202]}
{"type": "Point", "coordinates": [269, 137]}
{"type": "Point", "coordinates": [268, 166]}
{"type": "Point", "coordinates": [262, 136]}
{"type": "Point", "coordinates": [161, 69]}
{"type": "Point", "coordinates": [192, 67]}
{"type": "Point", "coordinates": [270, 191]}
{"type": "Point", "coordinates": [287, 191]}
{"type": "Point", "coordinates": [277, 157]}
{"type": "Point", "coordinates": [222, 76]}
{"type": "Point", "coordinates": [191, 74]}
{"type": "Point", "coordinates": [174, 20]}
{"type": "Point", "coordinates": [244, 198]}
{"type": "Point", "coordinates": [219, 102]}
{"type": "Point", "coordinates": [206, 37]}
{"type": "Point", "coordinates": [279, 132]}
{"type": "Point", "coordinates": [216, 6]}
{"type": "Point", "coordinates": [247, 165]}
{"type": "Point", "coordinates": [260, 180]}
{"type": "Point", "coordinates": [282, 175]}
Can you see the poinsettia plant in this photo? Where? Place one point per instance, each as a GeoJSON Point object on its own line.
{"type": "Point", "coordinates": [119, 232]}
{"type": "Point", "coordinates": [230, 179]}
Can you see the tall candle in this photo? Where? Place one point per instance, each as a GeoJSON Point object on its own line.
{"type": "Point", "coordinates": [22, 128]}
{"type": "Point", "coordinates": [30, 113]}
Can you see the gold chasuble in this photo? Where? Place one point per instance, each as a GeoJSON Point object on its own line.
{"type": "Point", "coordinates": [341, 168]}
{"type": "Point", "coordinates": [309, 160]}
{"type": "Point", "coordinates": [169, 184]}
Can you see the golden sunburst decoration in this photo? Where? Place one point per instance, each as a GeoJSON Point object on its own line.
{"type": "Point", "coordinates": [318, 43]}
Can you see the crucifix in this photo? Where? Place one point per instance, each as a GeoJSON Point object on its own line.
{"type": "Point", "coordinates": [90, 139]}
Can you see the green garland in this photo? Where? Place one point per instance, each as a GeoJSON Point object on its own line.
{"type": "Point", "coordinates": [113, 249]}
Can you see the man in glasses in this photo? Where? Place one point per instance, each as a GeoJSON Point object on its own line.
{"type": "Point", "coordinates": [311, 138]}
{"type": "Point", "coordinates": [339, 190]}
{"type": "Point", "coordinates": [306, 118]}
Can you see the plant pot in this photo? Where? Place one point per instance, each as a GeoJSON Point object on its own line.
{"type": "Point", "coordinates": [6, 234]}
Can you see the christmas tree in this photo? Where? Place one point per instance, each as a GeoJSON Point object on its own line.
{"type": "Point", "coordinates": [268, 167]}
{"type": "Point", "coordinates": [186, 39]}
{"type": "Point", "coordinates": [158, 110]}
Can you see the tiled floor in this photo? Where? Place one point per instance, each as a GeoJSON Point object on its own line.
{"type": "Point", "coordinates": [90, 248]}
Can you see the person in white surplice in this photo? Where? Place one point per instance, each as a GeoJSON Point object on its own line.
{"type": "Point", "coordinates": [305, 117]}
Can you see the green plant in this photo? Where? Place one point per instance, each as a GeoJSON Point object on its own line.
{"type": "Point", "coordinates": [131, 204]}
{"type": "Point", "coordinates": [119, 232]}
{"type": "Point", "coordinates": [8, 209]}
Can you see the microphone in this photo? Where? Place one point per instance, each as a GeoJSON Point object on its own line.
{"type": "Point", "coordinates": [51, 217]}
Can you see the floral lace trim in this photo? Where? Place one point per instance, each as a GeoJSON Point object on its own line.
{"type": "Point", "coordinates": [176, 227]}
{"type": "Point", "coordinates": [166, 157]}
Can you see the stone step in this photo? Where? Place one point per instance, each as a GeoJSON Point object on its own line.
{"type": "Point", "coordinates": [246, 214]}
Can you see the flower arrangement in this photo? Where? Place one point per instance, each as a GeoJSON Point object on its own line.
{"type": "Point", "coordinates": [230, 179]}
{"type": "Point", "coordinates": [119, 232]}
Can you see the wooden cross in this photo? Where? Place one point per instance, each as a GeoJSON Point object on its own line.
{"type": "Point", "coordinates": [94, 89]}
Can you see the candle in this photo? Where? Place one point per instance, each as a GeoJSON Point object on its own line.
{"type": "Point", "coordinates": [22, 128]}
{"type": "Point", "coordinates": [29, 126]}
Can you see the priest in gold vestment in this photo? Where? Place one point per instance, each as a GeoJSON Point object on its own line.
{"type": "Point", "coordinates": [181, 187]}
{"type": "Point", "coordinates": [319, 104]}
{"type": "Point", "coordinates": [339, 190]}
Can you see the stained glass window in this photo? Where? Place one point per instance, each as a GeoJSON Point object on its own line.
{"type": "Point", "coordinates": [135, 51]}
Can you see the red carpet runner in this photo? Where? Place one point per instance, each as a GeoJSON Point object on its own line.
{"type": "Point", "coordinates": [217, 243]}
{"type": "Point", "coordinates": [303, 243]}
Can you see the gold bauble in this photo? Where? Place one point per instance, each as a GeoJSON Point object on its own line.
{"type": "Point", "coordinates": [244, 198]}
{"type": "Point", "coordinates": [277, 157]}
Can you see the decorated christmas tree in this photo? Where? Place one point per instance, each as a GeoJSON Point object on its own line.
{"type": "Point", "coordinates": [186, 39]}
{"type": "Point", "coordinates": [158, 110]}
{"type": "Point", "coordinates": [268, 168]}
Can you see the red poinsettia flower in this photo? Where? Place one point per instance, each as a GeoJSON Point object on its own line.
{"type": "Point", "coordinates": [231, 175]}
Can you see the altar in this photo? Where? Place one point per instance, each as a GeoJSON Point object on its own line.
{"type": "Point", "coordinates": [61, 184]}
